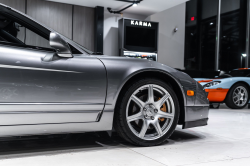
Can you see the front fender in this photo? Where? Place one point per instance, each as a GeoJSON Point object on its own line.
{"type": "Point", "coordinates": [121, 70]}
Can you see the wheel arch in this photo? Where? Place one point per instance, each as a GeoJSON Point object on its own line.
{"type": "Point", "coordinates": [164, 76]}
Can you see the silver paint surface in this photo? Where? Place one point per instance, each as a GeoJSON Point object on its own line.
{"type": "Point", "coordinates": [62, 48]}
{"type": "Point", "coordinates": [26, 78]}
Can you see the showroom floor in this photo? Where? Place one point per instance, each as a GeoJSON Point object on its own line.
{"type": "Point", "coordinates": [225, 141]}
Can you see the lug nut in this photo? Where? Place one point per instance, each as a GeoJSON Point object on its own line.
{"type": "Point", "coordinates": [146, 116]}
{"type": "Point", "coordinates": [145, 109]}
{"type": "Point", "coordinates": [153, 118]}
{"type": "Point", "coordinates": [156, 110]}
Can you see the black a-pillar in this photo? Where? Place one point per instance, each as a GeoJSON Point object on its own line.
{"type": "Point", "coordinates": [99, 28]}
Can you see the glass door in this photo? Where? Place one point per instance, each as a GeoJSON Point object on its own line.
{"type": "Point", "coordinates": [233, 34]}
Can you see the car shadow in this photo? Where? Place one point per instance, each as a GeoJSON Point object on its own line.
{"type": "Point", "coordinates": [17, 147]}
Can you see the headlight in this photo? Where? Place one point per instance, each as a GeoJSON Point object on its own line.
{"type": "Point", "coordinates": [211, 84]}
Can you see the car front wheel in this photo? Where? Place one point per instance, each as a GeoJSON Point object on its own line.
{"type": "Point", "coordinates": [148, 113]}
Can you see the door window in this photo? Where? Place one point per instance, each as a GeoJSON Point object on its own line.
{"type": "Point", "coordinates": [16, 33]}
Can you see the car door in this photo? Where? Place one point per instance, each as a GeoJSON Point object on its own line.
{"type": "Point", "coordinates": [34, 90]}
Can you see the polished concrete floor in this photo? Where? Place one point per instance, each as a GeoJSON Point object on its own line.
{"type": "Point", "coordinates": [225, 141]}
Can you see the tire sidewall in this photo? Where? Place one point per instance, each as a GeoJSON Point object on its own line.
{"type": "Point", "coordinates": [124, 106]}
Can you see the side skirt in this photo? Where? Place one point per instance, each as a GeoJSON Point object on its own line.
{"type": "Point", "coordinates": [105, 124]}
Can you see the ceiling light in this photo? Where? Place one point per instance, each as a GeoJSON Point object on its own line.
{"type": "Point", "coordinates": [135, 4]}
{"type": "Point", "coordinates": [244, 55]}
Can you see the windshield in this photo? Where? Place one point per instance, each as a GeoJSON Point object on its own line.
{"type": "Point", "coordinates": [83, 48]}
{"type": "Point", "coordinates": [239, 73]}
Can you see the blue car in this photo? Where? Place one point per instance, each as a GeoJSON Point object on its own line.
{"type": "Point", "coordinates": [232, 88]}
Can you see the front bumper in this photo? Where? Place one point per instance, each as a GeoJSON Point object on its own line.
{"type": "Point", "coordinates": [217, 95]}
{"type": "Point", "coordinates": [197, 112]}
{"type": "Point", "coordinates": [201, 122]}
{"type": "Point", "coordinates": [196, 116]}
{"type": "Point", "coordinates": [197, 106]}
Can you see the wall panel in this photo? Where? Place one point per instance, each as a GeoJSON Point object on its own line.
{"type": "Point", "coordinates": [17, 4]}
{"type": "Point", "coordinates": [57, 16]}
{"type": "Point", "coordinates": [171, 44]}
{"type": "Point", "coordinates": [83, 26]}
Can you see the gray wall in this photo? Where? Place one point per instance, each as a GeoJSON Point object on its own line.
{"type": "Point", "coordinates": [57, 16]}
{"type": "Point", "coordinates": [171, 44]}
{"type": "Point", "coordinates": [83, 26]}
{"type": "Point", "coordinates": [17, 4]}
{"type": "Point", "coordinates": [74, 22]}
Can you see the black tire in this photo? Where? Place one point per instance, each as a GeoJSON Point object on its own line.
{"type": "Point", "coordinates": [229, 99]}
{"type": "Point", "coordinates": [121, 125]}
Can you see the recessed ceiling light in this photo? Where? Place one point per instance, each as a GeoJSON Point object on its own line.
{"type": "Point", "coordinates": [135, 4]}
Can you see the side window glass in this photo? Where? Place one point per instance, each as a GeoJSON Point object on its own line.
{"type": "Point", "coordinates": [13, 32]}
{"type": "Point", "coordinates": [34, 39]}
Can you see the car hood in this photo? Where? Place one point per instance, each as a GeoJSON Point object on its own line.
{"type": "Point", "coordinates": [135, 62]}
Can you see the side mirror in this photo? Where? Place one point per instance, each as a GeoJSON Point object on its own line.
{"type": "Point", "coordinates": [61, 46]}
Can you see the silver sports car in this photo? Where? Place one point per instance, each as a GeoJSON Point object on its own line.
{"type": "Point", "coordinates": [50, 84]}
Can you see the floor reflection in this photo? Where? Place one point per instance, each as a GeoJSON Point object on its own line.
{"type": "Point", "coordinates": [56, 144]}
{"type": "Point", "coordinates": [185, 136]}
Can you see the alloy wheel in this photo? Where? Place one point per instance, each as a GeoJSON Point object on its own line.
{"type": "Point", "coordinates": [150, 112]}
{"type": "Point", "coordinates": [240, 96]}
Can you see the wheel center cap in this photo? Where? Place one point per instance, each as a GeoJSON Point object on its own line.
{"type": "Point", "coordinates": [149, 110]}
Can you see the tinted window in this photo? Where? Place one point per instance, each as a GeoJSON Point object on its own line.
{"type": "Point", "coordinates": [233, 35]}
{"type": "Point", "coordinates": [239, 73]}
{"type": "Point", "coordinates": [13, 32]}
